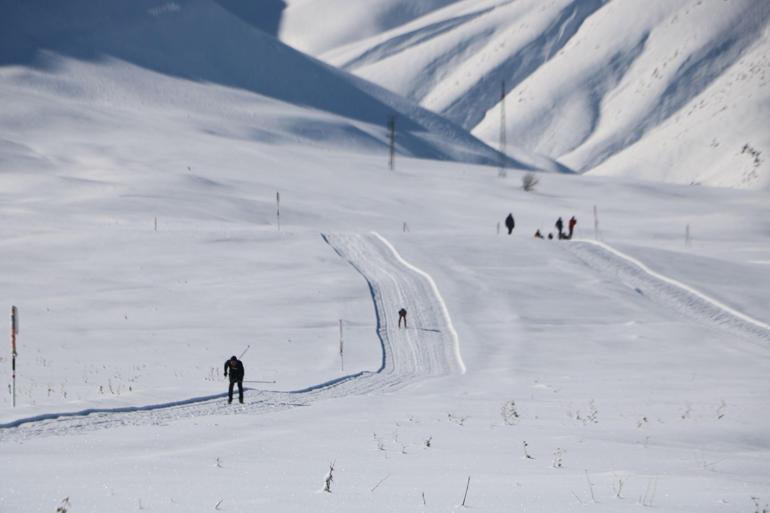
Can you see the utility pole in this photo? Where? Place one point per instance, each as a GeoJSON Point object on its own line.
{"type": "Point", "coordinates": [392, 142]}
{"type": "Point", "coordinates": [14, 331]}
{"type": "Point", "coordinates": [502, 173]}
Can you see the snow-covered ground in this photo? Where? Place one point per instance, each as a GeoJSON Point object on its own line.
{"type": "Point", "coordinates": [667, 90]}
{"type": "Point", "coordinates": [665, 399]}
{"type": "Point", "coordinates": [139, 240]}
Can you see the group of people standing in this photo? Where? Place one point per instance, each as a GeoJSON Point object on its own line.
{"type": "Point", "coordinates": [510, 223]}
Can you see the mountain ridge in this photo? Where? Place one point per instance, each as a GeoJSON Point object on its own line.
{"type": "Point", "coordinates": [590, 83]}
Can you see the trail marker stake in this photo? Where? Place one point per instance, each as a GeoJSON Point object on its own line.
{"type": "Point", "coordinates": [278, 210]}
{"type": "Point", "coordinates": [14, 331]}
{"type": "Point", "coordinates": [596, 223]}
{"type": "Point", "coordinates": [342, 357]}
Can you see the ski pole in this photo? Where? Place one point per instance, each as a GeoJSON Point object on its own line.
{"type": "Point", "coordinates": [256, 381]}
{"type": "Point", "coordinates": [244, 351]}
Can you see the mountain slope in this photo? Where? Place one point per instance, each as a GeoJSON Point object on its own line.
{"type": "Point", "coordinates": [585, 79]}
{"type": "Point", "coordinates": [93, 53]}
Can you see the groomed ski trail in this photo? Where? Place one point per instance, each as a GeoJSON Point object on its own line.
{"type": "Point", "coordinates": [428, 348]}
{"type": "Point", "coordinates": [667, 291]}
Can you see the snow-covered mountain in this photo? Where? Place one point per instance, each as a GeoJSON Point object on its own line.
{"type": "Point", "coordinates": [674, 90]}
{"type": "Point", "coordinates": [208, 59]}
{"type": "Point", "coordinates": [178, 186]}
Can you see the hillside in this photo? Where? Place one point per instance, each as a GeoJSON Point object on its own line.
{"type": "Point", "coordinates": [207, 58]}
{"type": "Point", "coordinates": [673, 90]}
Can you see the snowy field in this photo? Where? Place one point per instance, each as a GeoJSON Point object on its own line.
{"type": "Point", "coordinates": [624, 369]}
{"type": "Point", "coordinates": [654, 394]}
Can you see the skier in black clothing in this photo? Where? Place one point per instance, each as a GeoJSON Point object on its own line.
{"type": "Point", "coordinates": [510, 223]}
{"type": "Point", "coordinates": [402, 315]}
{"type": "Point", "coordinates": [560, 226]}
{"type": "Point", "coordinates": [234, 367]}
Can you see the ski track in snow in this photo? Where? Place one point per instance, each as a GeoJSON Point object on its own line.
{"type": "Point", "coordinates": [428, 348]}
{"type": "Point", "coordinates": [667, 291]}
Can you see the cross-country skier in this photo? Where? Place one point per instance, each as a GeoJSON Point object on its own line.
{"type": "Point", "coordinates": [234, 367]}
{"type": "Point", "coordinates": [402, 315]}
{"type": "Point", "coordinates": [510, 223]}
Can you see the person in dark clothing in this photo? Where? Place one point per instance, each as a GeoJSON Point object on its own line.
{"type": "Point", "coordinates": [538, 235]}
{"type": "Point", "coordinates": [402, 315]}
{"type": "Point", "coordinates": [234, 367]}
{"type": "Point", "coordinates": [572, 223]}
{"type": "Point", "coordinates": [510, 223]}
{"type": "Point", "coordinates": [560, 227]}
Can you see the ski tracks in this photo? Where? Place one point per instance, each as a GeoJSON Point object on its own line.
{"type": "Point", "coordinates": [427, 348]}
{"type": "Point", "coordinates": [667, 291]}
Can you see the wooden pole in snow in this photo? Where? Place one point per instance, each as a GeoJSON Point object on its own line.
{"type": "Point", "coordinates": [342, 357]}
{"type": "Point", "coordinates": [278, 210]}
{"type": "Point", "coordinates": [14, 331]}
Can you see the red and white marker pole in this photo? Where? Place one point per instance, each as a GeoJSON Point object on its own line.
{"type": "Point", "coordinates": [14, 331]}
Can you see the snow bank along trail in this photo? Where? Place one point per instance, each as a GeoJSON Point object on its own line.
{"type": "Point", "coordinates": [667, 291]}
{"type": "Point", "coordinates": [429, 347]}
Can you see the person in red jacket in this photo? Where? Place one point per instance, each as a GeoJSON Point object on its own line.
{"type": "Point", "coordinates": [572, 223]}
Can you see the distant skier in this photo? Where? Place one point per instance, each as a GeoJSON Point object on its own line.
{"type": "Point", "coordinates": [538, 235]}
{"type": "Point", "coordinates": [572, 223]}
{"type": "Point", "coordinates": [510, 223]}
{"type": "Point", "coordinates": [560, 227]}
{"type": "Point", "coordinates": [234, 367]}
{"type": "Point", "coordinates": [402, 316]}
